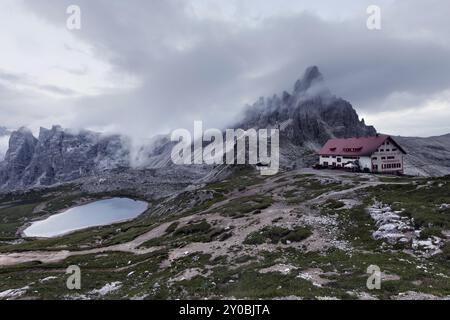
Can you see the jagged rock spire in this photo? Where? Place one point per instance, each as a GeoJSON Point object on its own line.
{"type": "Point", "coordinates": [312, 76]}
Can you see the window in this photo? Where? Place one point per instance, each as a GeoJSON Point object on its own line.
{"type": "Point", "coordinates": [325, 164]}
{"type": "Point", "coordinates": [339, 160]}
{"type": "Point", "coordinates": [387, 150]}
{"type": "Point", "coordinates": [374, 158]}
{"type": "Point", "coordinates": [391, 158]}
{"type": "Point", "coordinates": [357, 149]}
{"type": "Point", "coordinates": [381, 150]}
{"type": "Point", "coordinates": [394, 149]}
{"type": "Point", "coordinates": [383, 158]}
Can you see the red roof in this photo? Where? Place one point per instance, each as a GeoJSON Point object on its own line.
{"type": "Point", "coordinates": [365, 146]}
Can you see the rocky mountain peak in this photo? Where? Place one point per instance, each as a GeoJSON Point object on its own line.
{"type": "Point", "coordinates": [311, 77]}
{"type": "Point", "coordinates": [307, 117]}
{"type": "Point", "coordinates": [21, 144]}
{"type": "Point", "coordinates": [311, 109]}
{"type": "Point", "coordinates": [59, 155]}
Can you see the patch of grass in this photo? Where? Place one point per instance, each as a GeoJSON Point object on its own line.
{"type": "Point", "coordinates": [421, 202]}
{"type": "Point", "coordinates": [242, 177]}
{"type": "Point", "coordinates": [12, 218]}
{"type": "Point", "coordinates": [308, 188]}
{"type": "Point", "coordinates": [429, 232]}
{"type": "Point", "coordinates": [356, 226]}
{"type": "Point", "coordinates": [297, 235]}
{"type": "Point", "coordinates": [192, 202]}
{"type": "Point", "coordinates": [195, 232]}
{"type": "Point", "coordinates": [252, 284]}
{"type": "Point", "coordinates": [446, 252]}
{"type": "Point", "coordinates": [334, 204]}
{"type": "Point", "coordinates": [240, 207]}
{"type": "Point", "coordinates": [200, 227]}
{"type": "Point", "coordinates": [90, 238]}
{"type": "Point", "coordinates": [395, 179]}
{"type": "Point", "coordinates": [243, 259]}
{"type": "Point", "coordinates": [17, 210]}
{"type": "Point", "coordinates": [172, 227]}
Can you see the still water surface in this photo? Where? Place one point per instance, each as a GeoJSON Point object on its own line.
{"type": "Point", "coordinates": [94, 214]}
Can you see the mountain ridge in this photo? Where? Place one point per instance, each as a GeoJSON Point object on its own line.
{"type": "Point", "coordinates": [307, 117]}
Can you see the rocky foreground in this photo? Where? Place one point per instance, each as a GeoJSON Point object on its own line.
{"type": "Point", "coordinates": [299, 235]}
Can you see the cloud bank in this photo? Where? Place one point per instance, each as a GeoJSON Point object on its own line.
{"type": "Point", "coordinates": [146, 67]}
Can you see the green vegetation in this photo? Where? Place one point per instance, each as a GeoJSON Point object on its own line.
{"type": "Point", "coordinates": [308, 188]}
{"type": "Point", "coordinates": [16, 209]}
{"type": "Point", "coordinates": [242, 271]}
{"type": "Point", "coordinates": [243, 177]}
{"type": "Point", "coordinates": [240, 207]}
{"type": "Point", "coordinates": [200, 227]}
{"type": "Point", "coordinates": [446, 252]}
{"type": "Point", "coordinates": [357, 226]}
{"type": "Point", "coordinates": [333, 204]}
{"type": "Point", "coordinates": [12, 218]}
{"type": "Point", "coordinates": [421, 201]}
{"type": "Point", "coordinates": [194, 232]}
{"type": "Point", "coordinates": [172, 227]}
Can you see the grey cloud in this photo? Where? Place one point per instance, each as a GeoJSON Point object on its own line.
{"type": "Point", "coordinates": [10, 77]}
{"type": "Point", "coordinates": [57, 90]}
{"type": "Point", "coordinates": [21, 79]}
{"type": "Point", "coordinates": [198, 68]}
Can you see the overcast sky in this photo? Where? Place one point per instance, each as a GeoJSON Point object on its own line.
{"type": "Point", "coordinates": [143, 67]}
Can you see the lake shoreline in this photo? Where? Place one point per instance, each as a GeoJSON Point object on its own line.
{"type": "Point", "coordinates": [23, 228]}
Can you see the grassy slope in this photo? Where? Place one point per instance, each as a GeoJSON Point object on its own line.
{"type": "Point", "coordinates": [238, 276]}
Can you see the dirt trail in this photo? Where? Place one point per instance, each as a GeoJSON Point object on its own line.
{"type": "Point", "coordinates": [243, 226]}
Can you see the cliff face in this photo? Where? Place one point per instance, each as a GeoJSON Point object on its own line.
{"type": "Point", "coordinates": [58, 155]}
{"type": "Point", "coordinates": [22, 145]}
{"type": "Point", "coordinates": [426, 156]}
{"type": "Point", "coordinates": [310, 114]}
{"type": "Point", "coordinates": [307, 117]}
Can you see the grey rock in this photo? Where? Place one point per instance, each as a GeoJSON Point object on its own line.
{"type": "Point", "coordinates": [307, 118]}
{"type": "Point", "coordinates": [21, 150]}
{"type": "Point", "coordinates": [426, 156]}
{"type": "Point", "coordinates": [59, 155]}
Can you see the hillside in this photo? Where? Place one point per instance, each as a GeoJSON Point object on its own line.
{"type": "Point", "coordinates": [427, 156]}
{"type": "Point", "coordinates": [306, 117]}
{"type": "Point", "coordinates": [302, 234]}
